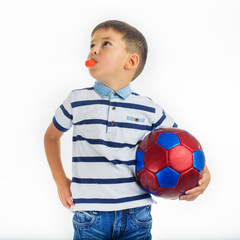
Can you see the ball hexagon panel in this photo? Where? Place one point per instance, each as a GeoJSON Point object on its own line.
{"type": "Point", "coordinates": [168, 140]}
{"type": "Point", "coordinates": [189, 141]}
{"type": "Point", "coordinates": [167, 178]}
{"type": "Point", "coordinates": [149, 140]}
{"type": "Point", "coordinates": [155, 158]}
{"type": "Point", "coordinates": [148, 180]}
{"type": "Point", "coordinates": [188, 180]}
{"type": "Point", "coordinates": [180, 158]}
{"type": "Point", "coordinates": [170, 193]}
{"type": "Point", "coordinates": [198, 160]}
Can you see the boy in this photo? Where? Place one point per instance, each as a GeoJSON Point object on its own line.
{"type": "Point", "coordinates": [109, 121]}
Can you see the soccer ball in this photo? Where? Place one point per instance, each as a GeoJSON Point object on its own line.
{"type": "Point", "coordinates": [169, 161]}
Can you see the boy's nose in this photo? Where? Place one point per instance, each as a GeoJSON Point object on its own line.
{"type": "Point", "coordinates": [94, 50]}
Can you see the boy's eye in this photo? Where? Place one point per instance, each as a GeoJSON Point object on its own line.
{"type": "Point", "coordinates": [106, 43]}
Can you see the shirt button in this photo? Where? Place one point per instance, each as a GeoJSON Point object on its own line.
{"type": "Point", "coordinates": [113, 108]}
{"type": "Point", "coordinates": [115, 94]}
{"type": "Point", "coordinates": [112, 122]}
{"type": "Point", "coordinates": [136, 119]}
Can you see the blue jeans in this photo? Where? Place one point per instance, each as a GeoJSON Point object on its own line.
{"type": "Point", "coordinates": [131, 224]}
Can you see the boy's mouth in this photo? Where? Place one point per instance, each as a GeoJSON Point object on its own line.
{"type": "Point", "coordinates": [90, 63]}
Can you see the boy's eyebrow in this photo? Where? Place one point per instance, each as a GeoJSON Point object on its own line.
{"type": "Point", "coordinates": [105, 38]}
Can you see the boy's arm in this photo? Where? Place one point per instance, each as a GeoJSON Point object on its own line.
{"type": "Point", "coordinates": [193, 193]}
{"type": "Point", "coordinates": [52, 149]}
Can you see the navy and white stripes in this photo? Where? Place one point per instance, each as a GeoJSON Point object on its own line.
{"type": "Point", "coordinates": [107, 128]}
{"type": "Point", "coordinates": [102, 159]}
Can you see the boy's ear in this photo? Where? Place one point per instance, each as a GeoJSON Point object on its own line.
{"type": "Point", "coordinates": [132, 62]}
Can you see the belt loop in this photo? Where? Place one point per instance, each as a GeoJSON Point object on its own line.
{"type": "Point", "coordinates": [131, 210]}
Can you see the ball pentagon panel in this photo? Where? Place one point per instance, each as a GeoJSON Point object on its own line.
{"type": "Point", "coordinates": [168, 140]}
{"type": "Point", "coordinates": [167, 178]}
{"type": "Point", "coordinates": [198, 160]}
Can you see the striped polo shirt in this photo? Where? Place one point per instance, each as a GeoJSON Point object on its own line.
{"type": "Point", "coordinates": [107, 128]}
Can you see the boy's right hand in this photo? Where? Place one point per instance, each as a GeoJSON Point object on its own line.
{"type": "Point", "coordinates": [64, 193]}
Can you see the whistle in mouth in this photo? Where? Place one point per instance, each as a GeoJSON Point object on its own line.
{"type": "Point", "coordinates": [90, 63]}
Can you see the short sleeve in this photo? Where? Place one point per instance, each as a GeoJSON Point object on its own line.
{"type": "Point", "coordinates": [162, 119]}
{"type": "Point", "coordinates": [62, 119]}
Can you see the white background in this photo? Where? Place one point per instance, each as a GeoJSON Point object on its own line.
{"type": "Point", "coordinates": [193, 71]}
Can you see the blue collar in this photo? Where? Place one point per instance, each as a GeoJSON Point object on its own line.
{"type": "Point", "coordinates": [105, 91]}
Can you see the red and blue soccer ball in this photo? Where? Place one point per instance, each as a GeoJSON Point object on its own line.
{"type": "Point", "coordinates": [169, 161]}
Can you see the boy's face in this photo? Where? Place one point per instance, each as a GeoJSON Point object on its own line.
{"type": "Point", "coordinates": [109, 51]}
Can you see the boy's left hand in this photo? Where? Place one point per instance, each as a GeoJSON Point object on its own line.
{"type": "Point", "coordinates": [193, 193]}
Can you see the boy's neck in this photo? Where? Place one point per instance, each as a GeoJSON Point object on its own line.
{"type": "Point", "coordinates": [115, 86]}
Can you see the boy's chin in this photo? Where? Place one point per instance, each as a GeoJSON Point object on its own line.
{"type": "Point", "coordinates": [96, 76]}
{"type": "Point", "coordinates": [93, 74]}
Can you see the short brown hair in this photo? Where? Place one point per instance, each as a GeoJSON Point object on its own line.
{"type": "Point", "coordinates": [135, 41]}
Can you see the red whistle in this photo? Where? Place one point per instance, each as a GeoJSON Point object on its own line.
{"type": "Point", "coordinates": [90, 63]}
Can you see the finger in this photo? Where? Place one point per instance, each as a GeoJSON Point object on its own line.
{"type": "Point", "coordinates": [189, 197]}
{"type": "Point", "coordinates": [205, 178]}
{"type": "Point", "coordinates": [70, 201]}
{"type": "Point", "coordinates": [194, 190]}
{"type": "Point", "coordinates": [200, 188]}
{"type": "Point", "coordinates": [200, 182]}
{"type": "Point", "coordinates": [192, 194]}
{"type": "Point", "coordinates": [64, 201]}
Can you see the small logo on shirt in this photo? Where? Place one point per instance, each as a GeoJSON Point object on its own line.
{"type": "Point", "coordinates": [135, 119]}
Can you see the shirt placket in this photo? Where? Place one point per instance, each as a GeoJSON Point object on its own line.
{"type": "Point", "coordinates": [112, 114]}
